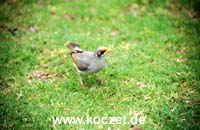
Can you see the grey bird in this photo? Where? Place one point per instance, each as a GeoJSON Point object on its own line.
{"type": "Point", "coordinates": [87, 62]}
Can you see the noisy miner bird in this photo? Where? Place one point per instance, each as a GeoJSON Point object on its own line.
{"type": "Point", "coordinates": [87, 62]}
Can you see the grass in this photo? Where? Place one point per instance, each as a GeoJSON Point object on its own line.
{"type": "Point", "coordinates": [153, 70]}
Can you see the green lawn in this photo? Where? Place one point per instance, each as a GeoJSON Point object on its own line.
{"type": "Point", "coordinates": [153, 71]}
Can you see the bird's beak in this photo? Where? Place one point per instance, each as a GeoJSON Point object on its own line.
{"type": "Point", "coordinates": [108, 50]}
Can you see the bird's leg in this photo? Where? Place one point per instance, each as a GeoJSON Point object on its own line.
{"type": "Point", "coordinates": [81, 81]}
{"type": "Point", "coordinates": [98, 80]}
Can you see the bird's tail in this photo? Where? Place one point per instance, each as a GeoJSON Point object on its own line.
{"type": "Point", "coordinates": [74, 47]}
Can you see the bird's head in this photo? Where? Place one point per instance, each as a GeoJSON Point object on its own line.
{"type": "Point", "coordinates": [101, 51]}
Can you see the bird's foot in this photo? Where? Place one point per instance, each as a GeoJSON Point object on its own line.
{"type": "Point", "coordinates": [81, 83]}
{"type": "Point", "coordinates": [99, 81]}
{"type": "Point", "coordinates": [84, 86]}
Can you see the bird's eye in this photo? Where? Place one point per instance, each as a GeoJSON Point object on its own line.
{"type": "Point", "coordinates": [100, 53]}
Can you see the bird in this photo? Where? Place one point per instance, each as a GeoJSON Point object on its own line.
{"type": "Point", "coordinates": [87, 62]}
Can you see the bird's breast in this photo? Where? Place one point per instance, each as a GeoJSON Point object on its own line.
{"type": "Point", "coordinates": [96, 66]}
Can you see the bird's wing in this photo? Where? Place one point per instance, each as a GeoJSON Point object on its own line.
{"type": "Point", "coordinates": [82, 60]}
